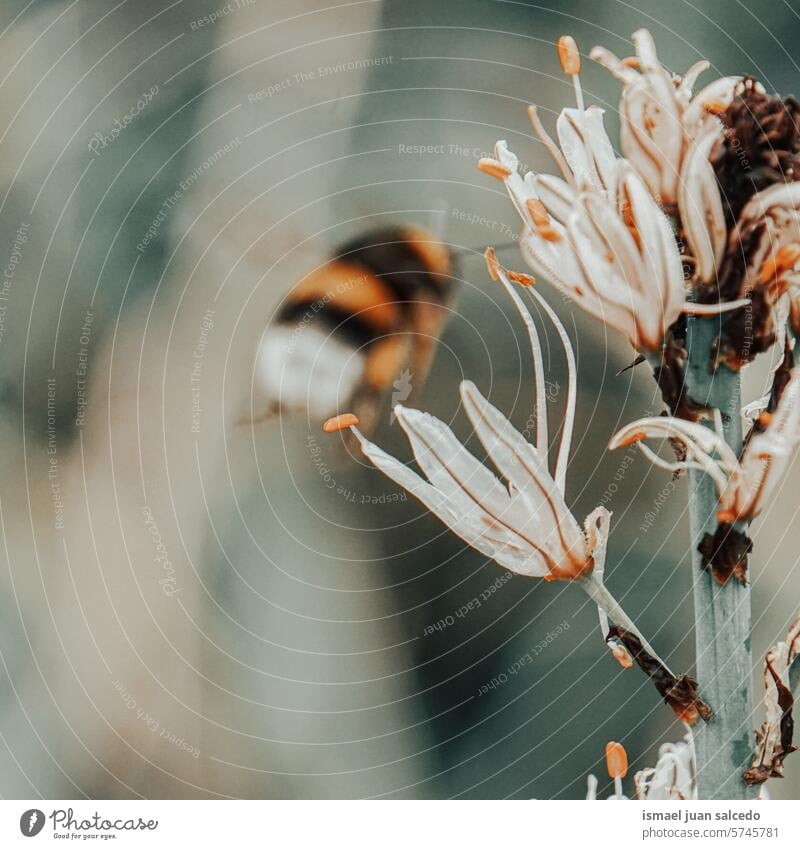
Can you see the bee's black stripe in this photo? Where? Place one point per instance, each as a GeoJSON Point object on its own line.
{"type": "Point", "coordinates": [348, 328]}
{"type": "Point", "coordinates": [390, 256]}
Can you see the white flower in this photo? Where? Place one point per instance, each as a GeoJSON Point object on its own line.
{"type": "Point", "coordinates": [673, 776]}
{"type": "Point", "coordinates": [700, 208]}
{"type": "Point", "coordinates": [744, 485]}
{"type": "Point", "coordinates": [524, 523]}
{"type": "Point", "coordinates": [596, 231]}
{"type": "Point", "coordinates": [660, 115]}
{"type": "Point", "coordinates": [607, 245]}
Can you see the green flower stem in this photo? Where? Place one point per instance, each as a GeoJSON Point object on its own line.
{"type": "Point", "coordinates": [722, 613]}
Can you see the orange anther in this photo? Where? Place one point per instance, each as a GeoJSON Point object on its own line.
{"type": "Point", "coordinates": [549, 234]}
{"type": "Point", "coordinates": [522, 279]}
{"type": "Point", "coordinates": [493, 168]}
{"type": "Point", "coordinates": [636, 436]}
{"type": "Point", "coordinates": [538, 213]}
{"type": "Point", "coordinates": [631, 62]}
{"type": "Point", "coordinates": [616, 760]}
{"type": "Point", "coordinates": [568, 55]}
{"type": "Point", "coordinates": [340, 422]}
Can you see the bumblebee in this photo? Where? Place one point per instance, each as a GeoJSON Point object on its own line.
{"type": "Point", "coordinates": [363, 324]}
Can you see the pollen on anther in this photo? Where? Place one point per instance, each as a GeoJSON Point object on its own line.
{"type": "Point", "coordinates": [521, 278]}
{"type": "Point", "coordinates": [493, 168]}
{"type": "Point", "coordinates": [632, 439]}
{"type": "Point", "coordinates": [568, 55]}
{"type": "Point", "coordinates": [631, 62]}
{"type": "Point", "coordinates": [538, 213]}
{"type": "Point", "coordinates": [616, 760]}
{"type": "Point", "coordinates": [340, 422]}
{"type": "Point", "coordinates": [492, 265]}
{"type": "Point", "coordinates": [549, 234]}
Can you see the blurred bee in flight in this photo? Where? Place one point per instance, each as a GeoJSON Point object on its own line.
{"type": "Point", "coordinates": [358, 328]}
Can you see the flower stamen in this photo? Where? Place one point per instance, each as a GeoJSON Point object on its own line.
{"type": "Point", "coordinates": [546, 139]}
{"type": "Point", "coordinates": [493, 168]}
{"type": "Point", "coordinates": [340, 422]}
{"type": "Point", "coordinates": [633, 438]}
{"type": "Point", "coordinates": [568, 55]}
{"type": "Point", "coordinates": [492, 265]}
{"type": "Point", "coordinates": [539, 215]}
{"type": "Point", "coordinates": [617, 765]}
{"type": "Point", "coordinates": [570, 59]}
{"type": "Point", "coordinates": [521, 278]}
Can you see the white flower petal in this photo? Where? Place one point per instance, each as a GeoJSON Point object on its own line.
{"type": "Point", "coordinates": [557, 195]}
{"type": "Point", "coordinates": [701, 208]}
{"type": "Point", "coordinates": [475, 528]}
{"type": "Point", "coordinates": [523, 466]}
{"type": "Point", "coordinates": [587, 148]}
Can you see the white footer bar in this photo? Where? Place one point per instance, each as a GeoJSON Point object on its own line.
{"type": "Point", "coordinates": [401, 825]}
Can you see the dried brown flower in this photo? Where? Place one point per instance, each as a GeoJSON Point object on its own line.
{"type": "Point", "coordinates": [725, 553]}
{"type": "Point", "coordinates": [680, 692]}
{"type": "Point", "coordinates": [774, 738]}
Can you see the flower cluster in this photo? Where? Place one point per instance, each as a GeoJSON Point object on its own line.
{"type": "Point", "coordinates": [598, 232]}
{"type": "Point", "coordinates": [662, 120]}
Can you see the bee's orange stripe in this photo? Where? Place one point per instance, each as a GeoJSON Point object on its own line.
{"type": "Point", "coordinates": [352, 289]}
{"type": "Point", "coordinates": [430, 250]}
{"type": "Point", "coordinates": [385, 358]}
